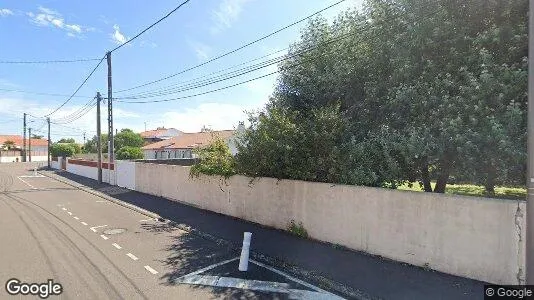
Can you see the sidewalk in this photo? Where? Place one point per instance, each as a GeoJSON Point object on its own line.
{"type": "Point", "coordinates": [368, 276]}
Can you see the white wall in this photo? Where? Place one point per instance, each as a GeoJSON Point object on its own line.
{"type": "Point", "coordinates": [91, 172]}
{"type": "Point", "coordinates": [55, 164]}
{"type": "Point", "coordinates": [149, 154]}
{"type": "Point", "coordinates": [125, 174]}
{"type": "Point", "coordinates": [466, 236]}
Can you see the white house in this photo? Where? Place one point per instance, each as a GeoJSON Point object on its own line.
{"type": "Point", "coordinates": [182, 146]}
{"type": "Point", "coordinates": [39, 149]}
{"type": "Point", "coordinates": [159, 134]}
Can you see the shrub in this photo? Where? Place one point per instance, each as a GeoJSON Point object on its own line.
{"type": "Point", "coordinates": [128, 152]}
{"type": "Point", "coordinates": [297, 230]}
{"type": "Point", "coordinates": [64, 150]}
{"type": "Point", "coordinates": [214, 159]}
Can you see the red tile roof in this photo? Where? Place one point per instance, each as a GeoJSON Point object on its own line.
{"type": "Point", "coordinates": [17, 139]}
{"type": "Point", "coordinates": [190, 140]}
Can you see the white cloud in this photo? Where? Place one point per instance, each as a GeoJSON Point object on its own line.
{"type": "Point", "coordinates": [5, 12]}
{"type": "Point", "coordinates": [226, 14]}
{"type": "Point", "coordinates": [202, 51]}
{"type": "Point", "coordinates": [48, 17]}
{"type": "Point", "coordinates": [218, 116]}
{"type": "Point", "coordinates": [117, 36]}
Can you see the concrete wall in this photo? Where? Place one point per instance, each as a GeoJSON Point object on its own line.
{"type": "Point", "coordinates": [474, 237]}
{"type": "Point", "coordinates": [91, 172]}
{"type": "Point", "coordinates": [126, 169]}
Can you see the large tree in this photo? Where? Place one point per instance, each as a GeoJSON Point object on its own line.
{"type": "Point", "coordinates": [425, 90]}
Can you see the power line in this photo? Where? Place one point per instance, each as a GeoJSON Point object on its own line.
{"type": "Point", "coordinates": [230, 86]}
{"type": "Point", "coordinates": [42, 93]}
{"type": "Point", "coordinates": [239, 72]}
{"type": "Point", "coordinates": [148, 28]}
{"type": "Point", "coordinates": [47, 61]}
{"type": "Point", "coordinates": [79, 87]}
{"type": "Point", "coordinates": [235, 50]}
{"type": "Point", "coordinates": [170, 87]}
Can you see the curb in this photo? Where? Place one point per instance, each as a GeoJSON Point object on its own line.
{"type": "Point", "coordinates": [104, 196]}
{"type": "Point", "coordinates": [294, 270]}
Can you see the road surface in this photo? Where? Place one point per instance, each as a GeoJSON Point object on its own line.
{"type": "Point", "coordinates": [100, 250]}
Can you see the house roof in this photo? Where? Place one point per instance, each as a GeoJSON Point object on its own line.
{"type": "Point", "coordinates": [156, 132]}
{"type": "Point", "coordinates": [190, 140]}
{"type": "Point", "coordinates": [17, 139]}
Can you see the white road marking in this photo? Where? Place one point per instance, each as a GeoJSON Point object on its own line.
{"type": "Point", "coordinates": [100, 201]}
{"type": "Point", "coordinates": [146, 220]}
{"type": "Point", "coordinates": [28, 184]}
{"type": "Point", "coordinates": [311, 286]}
{"type": "Point", "coordinates": [69, 213]}
{"type": "Point", "coordinates": [84, 223]}
{"type": "Point", "coordinates": [64, 208]}
{"type": "Point", "coordinates": [132, 256]}
{"type": "Point", "coordinates": [149, 269]}
{"type": "Point", "coordinates": [32, 176]}
{"type": "Point", "coordinates": [94, 228]}
{"type": "Point", "coordinates": [116, 246]}
{"type": "Point", "coordinates": [210, 267]}
{"type": "Point", "coordinates": [76, 218]}
{"type": "Point", "coordinates": [104, 237]}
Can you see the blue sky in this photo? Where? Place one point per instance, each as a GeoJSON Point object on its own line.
{"type": "Point", "coordinates": [200, 30]}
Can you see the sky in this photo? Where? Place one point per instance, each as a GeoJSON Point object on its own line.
{"type": "Point", "coordinates": [199, 31]}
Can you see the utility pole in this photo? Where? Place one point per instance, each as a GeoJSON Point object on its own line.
{"type": "Point", "coordinates": [98, 137]}
{"type": "Point", "coordinates": [84, 137]}
{"type": "Point", "coordinates": [530, 176]}
{"type": "Point", "coordinates": [24, 141]}
{"type": "Point", "coordinates": [30, 144]}
{"type": "Point", "coordinates": [111, 148]}
{"type": "Point", "coordinates": [48, 153]}
{"type": "Point", "coordinates": [145, 126]}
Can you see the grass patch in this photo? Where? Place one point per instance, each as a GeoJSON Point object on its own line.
{"type": "Point", "coordinates": [297, 230]}
{"type": "Point", "coordinates": [474, 190]}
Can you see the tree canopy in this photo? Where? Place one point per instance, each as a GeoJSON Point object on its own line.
{"type": "Point", "coordinates": [404, 90]}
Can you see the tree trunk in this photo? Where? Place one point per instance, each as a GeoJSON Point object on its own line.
{"type": "Point", "coordinates": [490, 180]}
{"type": "Point", "coordinates": [425, 177]}
{"type": "Point", "coordinates": [441, 183]}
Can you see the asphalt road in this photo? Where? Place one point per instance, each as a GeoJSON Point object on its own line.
{"type": "Point", "coordinates": [99, 250]}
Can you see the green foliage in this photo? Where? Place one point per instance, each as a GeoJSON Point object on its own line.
{"type": "Point", "coordinates": [8, 145]}
{"type": "Point", "coordinates": [128, 152]}
{"type": "Point", "coordinates": [64, 149]}
{"type": "Point", "coordinates": [126, 137]}
{"type": "Point", "coordinates": [90, 146]}
{"type": "Point", "coordinates": [297, 230]}
{"type": "Point", "coordinates": [419, 91]}
{"type": "Point", "coordinates": [68, 141]}
{"type": "Point", "coordinates": [503, 192]}
{"type": "Point", "coordinates": [214, 159]}
{"type": "Point", "coordinates": [36, 136]}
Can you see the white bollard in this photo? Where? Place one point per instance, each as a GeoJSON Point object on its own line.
{"type": "Point", "coordinates": [243, 261]}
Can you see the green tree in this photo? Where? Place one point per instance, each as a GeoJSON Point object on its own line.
{"type": "Point", "coordinates": [90, 146]}
{"type": "Point", "coordinates": [424, 87]}
{"type": "Point", "coordinates": [64, 149]}
{"type": "Point", "coordinates": [214, 159]}
{"type": "Point", "coordinates": [126, 137]}
{"type": "Point", "coordinates": [8, 145]}
{"type": "Point", "coordinates": [128, 152]}
{"type": "Point", "coordinates": [67, 140]}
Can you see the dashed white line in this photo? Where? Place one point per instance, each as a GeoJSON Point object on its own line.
{"type": "Point", "coordinates": [146, 220]}
{"type": "Point", "coordinates": [100, 201]}
{"type": "Point", "coordinates": [104, 237]}
{"type": "Point", "coordinates": [63, 208]}
{"type": "Point", "coordinates": [85, 224]}
{"type": "Point", "coordinates": [76, 218]}
{"type": "Point", "coordinates": [69, 213]}
{"type": "Point", "coordinates": [149, 269]}
{"type": "Point", "coordinates": [116, 246]}
{"type": "Point", "coordinates": [27, 183]}
{"type": "Point", "coordinates": [132, 256]}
